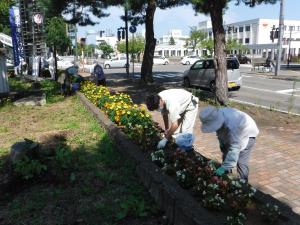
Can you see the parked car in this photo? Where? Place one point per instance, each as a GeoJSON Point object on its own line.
{"type": "Point", "coordinates": [244, 59]}
{"type": "Point", "coordinates": [187, 60]}
{"type": "Point", "coordinates": [202, 74]}
{"type": "Point", "coordinates": [64, 64]}
{"type": "Point", "coordinates": [160, 60]}
{"type": "Point", "coordinates": [115, 62]}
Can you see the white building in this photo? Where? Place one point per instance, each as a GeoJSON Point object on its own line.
{"type": "Point", "coordinates": [164, 48]}
{"type": "Point", "coordinates": [255, 35]}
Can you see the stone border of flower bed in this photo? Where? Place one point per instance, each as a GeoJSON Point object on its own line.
{"type": "Point", "coordinates": [179, 206]}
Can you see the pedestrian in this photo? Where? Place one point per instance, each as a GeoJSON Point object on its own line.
{"type": "Point", "coordinates": [236, 132]}
{"type": "Point", "coordinates": [179, 110]}
{"type": "Point", "coordinates": [98, 74]}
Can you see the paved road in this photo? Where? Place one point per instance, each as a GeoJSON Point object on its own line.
{"type": "Point", "coordinates": [270, 93]}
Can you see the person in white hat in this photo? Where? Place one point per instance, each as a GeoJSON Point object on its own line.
{"type": "Point", "coordinates": [236, 132]}
{"type": "Point", "coordinates": [179, 109]}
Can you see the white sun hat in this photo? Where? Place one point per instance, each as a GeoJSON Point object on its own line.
{"type": "Point", "coordinates": [212, 119]}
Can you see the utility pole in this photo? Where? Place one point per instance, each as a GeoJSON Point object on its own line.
{"type": "Point", "coordinates": [126, 37]}
{"type": "Point", "coordinates": [289, 54]}
{"type": "Point", "coordinates": [280, 36]}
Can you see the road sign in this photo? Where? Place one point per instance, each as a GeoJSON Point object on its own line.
{"type": "Point", "coordinates": [132, 29]}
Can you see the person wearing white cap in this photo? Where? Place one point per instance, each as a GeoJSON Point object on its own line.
{"type": "Point", "coordinates": [236, 132]}
{"type": "Point", "coordinates": [177, 106]}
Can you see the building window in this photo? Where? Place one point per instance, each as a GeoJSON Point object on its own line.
{"type": "Point", "coordinates": [241, 29]}
{"type": "Point", "coordinates": [247, 40]}
{"type": "Point", "coordinates": [241, 40]}
{"type": "Point", "coordinates": [210, 34]}
{"type": "Point", "coordinates": [253, 51]}
{"type": "Point", "coordinates": [247, 28]}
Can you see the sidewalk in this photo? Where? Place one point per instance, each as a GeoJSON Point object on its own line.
{"type": "Point", "coordinates": [275, 161]}
{"type": "Point", "coordinates": [292, 74]}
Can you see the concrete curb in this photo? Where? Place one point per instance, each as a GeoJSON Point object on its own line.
{"type": "Point", "coordinates": [178, 204]}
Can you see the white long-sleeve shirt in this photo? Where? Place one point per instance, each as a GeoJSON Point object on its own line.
{"type": "Point", "coordinates": [234, 135]}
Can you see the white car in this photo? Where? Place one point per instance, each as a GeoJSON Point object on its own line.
{"type": "Point", "coordinates": [160, 60]}
{"type": "Point", "coordinates": [187, 60]}
{"type": "Point", "coordinates": [64, 64]}
{"type": "Point", "coordinates": [115, 62]}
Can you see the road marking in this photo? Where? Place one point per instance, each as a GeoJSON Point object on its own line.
{"type": "Point", "coordinates": [288, 90]}
{"type": "Point", "coordinates": [246, 76]}
{"type": "Point", "coordinates": [265, 107]}
{"type": "Point", "coordinates": [271, 91]}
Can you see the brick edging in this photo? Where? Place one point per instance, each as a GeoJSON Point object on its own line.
{"type": "Point", "coordinates": [179, 206]}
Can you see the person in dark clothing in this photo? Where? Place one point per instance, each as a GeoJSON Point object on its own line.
{"type": "Point", "coordinates": [99, 75]}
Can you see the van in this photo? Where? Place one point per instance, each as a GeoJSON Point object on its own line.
{"type": "Point", "coordinates": [202, 74]}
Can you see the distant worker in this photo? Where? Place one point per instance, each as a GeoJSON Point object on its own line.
{"type": "Point", "coordinates": [236, 132]}
{"type": "Point", "coordinates": [98, 74]}
{"type": "Point", "coordinates": [179, 109]}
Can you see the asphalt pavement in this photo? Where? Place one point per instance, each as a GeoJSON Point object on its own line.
{"type": "Point", "coordinates": [259, 88]}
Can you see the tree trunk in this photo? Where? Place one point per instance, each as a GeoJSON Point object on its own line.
{"type": "Point", "coordinates": [221, 91]}
{"type": "Point", "coordinates": [146, 70]}
{"type": "Point", "coordinates": [55, 62]}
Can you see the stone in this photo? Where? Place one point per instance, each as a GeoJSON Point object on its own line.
{"type": "Point", "coordinates": [32, 100]}
{"type": "Point", "coordinates": [22, 148]}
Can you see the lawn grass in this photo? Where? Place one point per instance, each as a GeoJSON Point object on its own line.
{"type": "Point", "coordinates": [93, 184]}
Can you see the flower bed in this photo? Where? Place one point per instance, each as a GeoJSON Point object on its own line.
{"type": "Point", "coordinates": [192, 171]}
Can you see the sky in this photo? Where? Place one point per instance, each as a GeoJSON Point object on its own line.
{"type": "Point", "coordinates": [184, 17]}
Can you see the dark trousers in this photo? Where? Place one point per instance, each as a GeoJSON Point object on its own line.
{"type": "Point", "coordinates": [243, 160]}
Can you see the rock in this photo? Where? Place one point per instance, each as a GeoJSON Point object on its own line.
{"type": "Point", "coordinates": [32, 101]}
{"type": "Point", "coordinates": [22, 148]}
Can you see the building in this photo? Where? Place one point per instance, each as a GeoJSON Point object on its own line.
{"type": "Point", "coordinates": [177, 49]}
{"type": "Point", "coordinates": [255, 35]}
{"type": "Point", "coordinates": [106, 37]}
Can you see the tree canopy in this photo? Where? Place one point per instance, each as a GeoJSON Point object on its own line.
{"type": "Point", "coordinates": [56, 34]}
{"type": "Point", "coordinates": [135, 46]}
{"type": "Point", "coordinates": [106, 49]}
{"type": "Point", "coordinates": [4, 15]}
{"type": "Point", "coordinates": [195, 38]}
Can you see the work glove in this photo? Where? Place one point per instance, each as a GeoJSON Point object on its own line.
{"type": "Point", "coordinates": [220, 171]}
{"type": "Point", "coordinates": [162, 143]}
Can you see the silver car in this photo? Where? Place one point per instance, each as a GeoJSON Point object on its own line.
{"type": "Point", "coordinates": [115, 62]}
{"type": "Point", "coordinates": [202, 74]}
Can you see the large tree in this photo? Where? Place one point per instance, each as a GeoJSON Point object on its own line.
{"type": "Point", "coordinates": [135, 45]}
{"type": "Point", "coordinates": [4, 16]}
{"type": "Point", "coordinates": [216, 9]}
{"type": "Point", "coordinates": [195, 38]}
{"type": "Point", "coordinates": [106, 49]}
{"type": "Point", "coordinates": [57, 37]}
{"type": "Point", "coordinates": [143, 11]}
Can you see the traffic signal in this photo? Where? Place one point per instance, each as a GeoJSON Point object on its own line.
{"type": "Point", "coordinates": [123, 34]}
{"type": "Point", "coordinates": [276, 33]}
{"type": "Point", "coordinates": [272, 33]}
{"type": "Point", "coordinates": [119, 35]}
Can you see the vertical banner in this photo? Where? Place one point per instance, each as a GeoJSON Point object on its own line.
{"type": "Point", "coordinates": [13, 27]}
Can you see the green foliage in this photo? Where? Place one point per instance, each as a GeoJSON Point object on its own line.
{"type": "Point", "coordinates": [196, 37]}
{"type": "Point", "coordinates": [106, 49]}
{"type": "Point", "coordinates": [135, 46]}
{"type": "Point", "coordinates": [233, 44]}
{"type": "Point", "coordinates": [56, 34]}
{"type": "Point", "coordinates": [4, 16]}
{"type": "Point", "coordinates": [63, 158]}
{"type": "Point", "coordinates": [29, 168]}
{"type": "Point", "coordinates": [172, 41]}
{"type": "Point", "coordinates": [131, 206]}
{"type": "Point", "coordinates": [208, 44]}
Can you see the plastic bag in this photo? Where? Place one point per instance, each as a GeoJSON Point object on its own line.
{"type": "Point", "coordinates": [185, 141]}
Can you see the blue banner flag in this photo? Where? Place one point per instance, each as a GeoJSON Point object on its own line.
{"type": "Point", "coordinates": [13, 27]}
